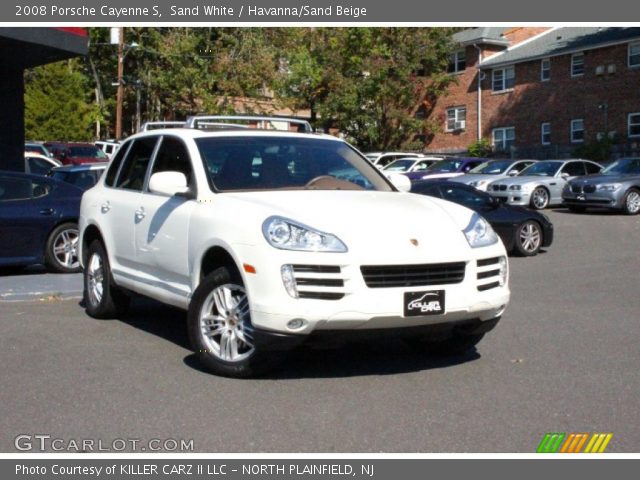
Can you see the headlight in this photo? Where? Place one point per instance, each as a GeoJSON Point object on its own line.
{"type": "Point", "coordinates": [515, 187]}
{"type": "Point", "coordinates": [479, 183]}
{"type": "Point", "coordinates": [479, 233]}
{"type": "Point", "coordinates": [609, 187]}
{"type": "Point", "coordinates": [289, 235]}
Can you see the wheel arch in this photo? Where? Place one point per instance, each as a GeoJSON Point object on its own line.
{"type": "Point", "coordinates": [214, 257]}
{"type": "Point", "coordinates": [89, 234]}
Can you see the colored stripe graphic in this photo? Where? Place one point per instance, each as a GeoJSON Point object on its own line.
{"type": "Point", "coordinates": [573, 442]}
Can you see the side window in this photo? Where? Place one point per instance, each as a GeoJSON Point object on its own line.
{"type": "Point", "coordinates": [135, 166]}
{"type": "Point", "coordinates": [22, 189]}
{"type": "Point", "coordinates": [173, 156]}
{"type": "Point", "coordinates": [574, 169]}
{"type": "Point", "coordinates": [38, 166]}
{"type": "Point", "coordinates": [592, 168]}
{"type": "Point", "coordinates": [421, 166]}
{"type": "Point", "coordinates": [115, 165]}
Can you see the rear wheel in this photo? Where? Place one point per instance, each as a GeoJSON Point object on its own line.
{"type": "Point", "coordinates": [61, 251]}
{"type": "Point", "coordinates": [631, 205]}
{"type": "Point", "coordinates": [102, 298]}
{"type": "Point", "coordinates": [220, 328]}
{"type": "Point", "coordinates": [540, 198]}
{"type": "Point", "coordinates": [528, 238]}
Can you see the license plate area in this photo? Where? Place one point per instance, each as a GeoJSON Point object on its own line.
{"type": "Point", "coordinates": [418, 304]}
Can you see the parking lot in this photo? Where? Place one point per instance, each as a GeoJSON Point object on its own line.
{"type": "Point", "coordinates": [564, 359]}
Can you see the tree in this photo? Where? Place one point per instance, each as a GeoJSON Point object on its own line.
{"type": "Point", "coordinates": [58, 104]}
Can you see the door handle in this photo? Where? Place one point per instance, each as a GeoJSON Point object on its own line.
{"type": "Point", "coordinates": [105, 207]}
{"type": "Point", "coordinates": [140, 213]}
{"type": "Point", "coordinates": [47, 211]}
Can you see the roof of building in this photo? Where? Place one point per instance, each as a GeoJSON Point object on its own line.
{"type": "Point", "coordinates": [491, 35]}
{"type": "Point", "coordinates": [562, 41]}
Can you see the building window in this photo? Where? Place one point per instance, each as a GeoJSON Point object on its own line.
{"type": "Point", "coordinates": [456, 118]}
{"type": "Point", "coordinates": [457, 61]}
{"type": "Point", "coordinates": [421, 113]}
{"type": "Point", "coordinates": [504, 78]}
{"type": "Point", "coordinates": [577, 130]}
{"type": "Point", "coordinates": [545, 133]}
{"type": "Point", "coordinates": [545, 69]}
{"type": "Point", "coordinates": [503, 138]}
{"type": "Point", "coordinates": [634, 55]}
{"type": "Point", "coordinates": [634, 125]}
{"type": "Point", "coordinates": [577, 64]}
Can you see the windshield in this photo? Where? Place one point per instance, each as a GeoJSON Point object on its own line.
{"type": "Point", "coordinates": [400, 165]}
{"type": "Point", "coordinates": [541, 169]}
{"type": "Point", "coordinates": [451, 165]}
{"type": "Point", "coordinates": [88, 151]}
{"type": "Point", "coordinates": [625, 166]}
{"type": "Point", "coordinates": [492, 168]}
{"type": "Point", "coordinates": [271, 163]}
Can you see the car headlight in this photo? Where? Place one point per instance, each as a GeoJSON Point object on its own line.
{"type": "Point", "coordinates": [515, 187]}
{"type": "Point", "coordinates": [609, 187]}
{"type": "Point", "coordinates": [479, 183]}
{"type": "Point", "coordinates": [289, 235]}
{"type": "Point", "coordinates": [479, 233]}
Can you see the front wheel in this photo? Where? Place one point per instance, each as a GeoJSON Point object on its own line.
{"type": "Point", "coordinates": [102, 298]}
{"type": "Point", "coordinates": [528, 238]}
{"type": "Point", "coordinates": [540, 198]}
{"type": "Point", "coordinates": [220, 328]}
{"type": "Point", "coordinates": [61, 251]}
{"type": "Point", "coordinates": [631, 204]}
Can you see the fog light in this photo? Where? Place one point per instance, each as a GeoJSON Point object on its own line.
{"type": "Point", "coordinates": [296, 324]}
{"type": "Point", "coordinates": [289, 280]}
{"type": "Point", "coordinates": [504, 271]}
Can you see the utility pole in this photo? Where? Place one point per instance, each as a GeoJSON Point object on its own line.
{"type": "Point", "coordinates": [120, 92]}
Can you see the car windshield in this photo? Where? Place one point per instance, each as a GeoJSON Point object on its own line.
{"type": "Point", "coordinates": [542, 169]}
{"type": "Point", "coordinates": [625, 166]}
{"type": "Point", "coordinates": [400, 165]}
{"type": "Point", "coordinates": [445, 166]}
{"type": "Point", "coordinates": [272, 163]}
{"type": "Point", "coordinates": [88, 151]}
{"type": "Point", "coordinates": [492, 168]}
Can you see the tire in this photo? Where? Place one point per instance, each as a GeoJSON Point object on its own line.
{"type": "Point", "coordinates": [528, 238]}
{"type": "Point", "coordinates": [631, 202]}
{"type": "Point", "coordinates": [457, 344]}
{"type": "Point", "coordinates": [577, 209]}
{"type": "Point", "coordinates": [102, 298]}
{"type": "Point", "coordinates": [61, 250]}
{"type": "Point", "coordinates": [539, 198]}
{"type": "Point", "coordinates": [220, 329]}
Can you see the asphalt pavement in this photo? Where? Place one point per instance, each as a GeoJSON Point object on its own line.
{"type": "Point", "coordinates": [564, 358]}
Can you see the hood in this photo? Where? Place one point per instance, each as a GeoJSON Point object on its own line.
{"type": "Point", "coordinates": [438, 175]}
{"type": "Point", "coordinates": [518, 180]}
{"type": "Point", "coordinates": [363, 220]}
{"type": "Point", "coordinates": [601, 179]}
{"type": "Point", "coordinates": [476, 177]}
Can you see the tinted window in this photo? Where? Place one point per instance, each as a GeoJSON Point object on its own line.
{"type": "Point", "coordinates": [464, 196]}
{"type": "Point", "coordinates": [173, 156]}
{"type": "Point", "coordinates": [574, 169]}
{"type": "Point", "coordinates": [592, 168]}
{"type": "Point", "coordinates": [134, 168]}
{"type": "Point", "coordinates": [21, 189]}
{"type": "Point", "coordinates": [115, 165]}
{"type": "Point", "coordinates": [625, 166]}
{"type": "Point", "coordinates": [38, 166]}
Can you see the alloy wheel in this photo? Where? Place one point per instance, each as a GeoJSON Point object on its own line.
{"type": "Point", "coordinates": [540, 198]}
{"type": "Point", "coordinates": [65, 248]}
{"type": "Point", "coordinates": [633, 202]}
{"type": "Point", "coordinates": [530, 237]}
{"type": "Point", "coordinates": [95, 277]}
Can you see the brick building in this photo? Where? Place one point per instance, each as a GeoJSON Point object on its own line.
{"type": "Point", "coordinates": [543, 91]}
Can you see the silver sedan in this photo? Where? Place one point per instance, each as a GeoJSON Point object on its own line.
{"type": "Point", "coordinates": [540, 185]}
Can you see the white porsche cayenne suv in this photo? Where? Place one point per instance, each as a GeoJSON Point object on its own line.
{"type": "Point", "coordinates": [272, 238]}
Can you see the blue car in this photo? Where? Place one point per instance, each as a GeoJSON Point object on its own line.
{"type": "Point", "coordinates": [38, 222]}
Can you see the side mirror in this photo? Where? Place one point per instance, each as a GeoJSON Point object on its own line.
{"type": "Point", "coordinates": [168, 183]}
{"type": "Point", "coordinates": [513, 173]}
{"type": "Point", "coordinates": [564, 175]}
{"type": "Point", "coordinates": [400, 181]}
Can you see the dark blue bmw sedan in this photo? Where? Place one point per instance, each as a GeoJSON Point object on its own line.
{"type": "Point", "coordinates": [38, 222]}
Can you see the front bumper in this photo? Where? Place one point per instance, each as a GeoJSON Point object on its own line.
{"type": "Point", "coordinates": [361, 307]}
{"type": "Point", "coordinates": [513, 197]}
{"type": "Point", "coordinates": [596, 199]}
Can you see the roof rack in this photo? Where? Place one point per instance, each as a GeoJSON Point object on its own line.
{"type": "Point", "coordinates": [230, 121]}
{"type": "Point", "coordinates": [158, 125]}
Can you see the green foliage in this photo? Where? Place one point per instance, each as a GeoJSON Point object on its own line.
{"type": "Point", "coordinates": [598, 151]}
{"type": "Point", "coordinates": [58, 103]}
{"type": "Point", "coordinates": [480, 148]}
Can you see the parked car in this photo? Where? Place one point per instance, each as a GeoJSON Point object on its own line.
{"type": "Point", "coordinates": [522, 231]}
{"type": "Point", "coordinates": [382, 159]}
{"type": "Point", "coordinates": [33, 147]}
{"type": "Point", "coordinates": [617, 187]}
{"type": "Point", "coordinates": [481, 176]}
{"type": "Point", "coordinates": [38, 222]}
{"type": "Point", "coordinates": [82, 176]}
{"type": "Point", "coordinates": [76, 153]}
{"type": "Point", "coordinates": [411, 164]}
{"type": "Point", "coordinates": [253, 234]}
{"type": "Point", "coordinates": [540, 185]}
{"type": "Point", "coordinates": [39, 164]}
{"type": "Point", "coordinates": [109, 148]}
{"type": "Point", "coordinates": [447, 168]}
